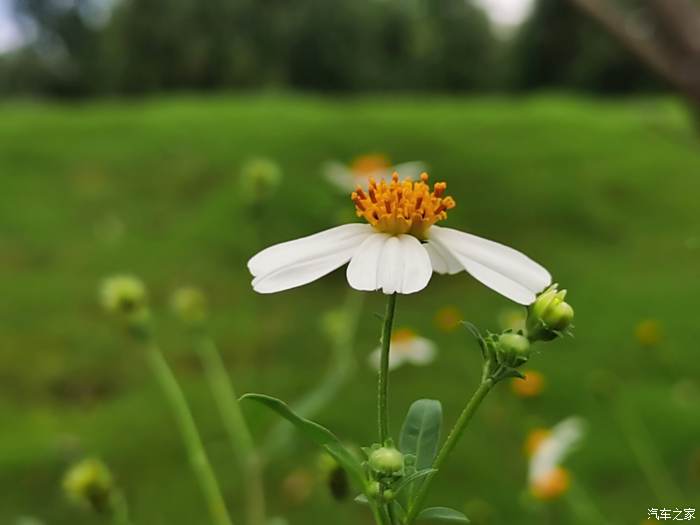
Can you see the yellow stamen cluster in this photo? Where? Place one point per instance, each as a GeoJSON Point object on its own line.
{"type": "Point", "coordinates": [403, 207]}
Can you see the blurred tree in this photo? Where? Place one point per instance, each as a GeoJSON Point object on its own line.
{"type": "Point", "coordinates": [666, 39]}
{"type": "Point", "coordinates": [87, 47]}
{"type": "Point", "coordinates": [556, 47]}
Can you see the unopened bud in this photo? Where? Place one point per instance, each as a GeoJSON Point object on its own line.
{"type": "Point", "coordinates": [190, 305]}
{"type": "Point", "coordinates": [549, 315]}
{"type": "Point", "coordinates": [89, 483]}
{"type": "Point", "coordinates": [123, 294]}
{"type": "Point", "coordinates": [259, 179]}
{"type": "Point", "coordinates": [514, 344]}
{"type": "Point", "coordinates": [386, 460]}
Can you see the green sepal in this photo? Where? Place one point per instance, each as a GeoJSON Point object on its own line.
{"type": "Point", "coordinates": [316, 433]}
{"type": "Point", "coordinates": [479, 338]}
{"type": "Point", "coordinates": [442, 514]}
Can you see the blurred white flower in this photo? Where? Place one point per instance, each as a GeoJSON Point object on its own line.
{"type": "Point", "coordinates": [547, 450]}
{"type": "Point", "coordinates": [407, 347]}
{"type": "Point", "coordinates": [348, 177]}
{"type": "Point", "coordinates": [399, 249]}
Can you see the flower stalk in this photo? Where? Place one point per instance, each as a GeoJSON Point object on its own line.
{"type": "Point", "coordinates": [193, 442]}
{"type": "Point", "coordinates": [488, 380]}
{"type": "Point", "coordinates": [383, 382]}
{"type": "Point", "coordinates": [236, 426]}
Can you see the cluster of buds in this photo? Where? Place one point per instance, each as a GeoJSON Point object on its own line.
{"type": "Point", "coordinates": [549, 317]}
{"type": "Point", "coordinates": [89, 484]}
{"type": "Point", "coordinates": [386, 466]}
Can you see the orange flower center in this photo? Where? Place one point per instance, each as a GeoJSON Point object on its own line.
{"type": "Point", "coordinates": [368, 164]}
{"type": "Point", "coordinates": [552, 485]}
{"type": "Point", "coordinates": [403, 335]}
{"type": "Point", "coordinates": [403, 207]}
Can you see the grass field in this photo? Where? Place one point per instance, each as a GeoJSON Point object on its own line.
{"type": "Point", "coordinates": [605, 194]}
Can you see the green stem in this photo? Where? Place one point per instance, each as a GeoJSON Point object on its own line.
{"type": "Point", "coordinates": [120, 510]}
{"type": "Point", "coordinates": [583, 506]}
{"type": "Point", "coordinates": [652, 466]}
{"type": "Point", "coordinates": [193, 442]}
{"type": "Point", "coordinates": [383, 383]}
{"type": "Point", "coordinates": [450, 443]}
{"type": "Point", "coordinates": [236, 427]}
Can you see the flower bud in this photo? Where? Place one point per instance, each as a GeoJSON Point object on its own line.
{"type": "Point", "coordinates": [386, 460]}
{"type": "Point", "coordinates": [373, 489]}
{"type": "Point", "coordinates": [89, 483]}
{"type": "Point", "coordinates": [260, 178]}
{"type": "Point", "coordinates": [389, 495]}
{"type": "Point", "coordinates": [514, 344]}
{"type": "Point", "coordinates": [123, 294]}
{"type": "Point", "coordinates": [549, 314]}
{"type": "Point", "coordinates": [190, 305]}
{"type": "Point", "coordinates": [558, 316]}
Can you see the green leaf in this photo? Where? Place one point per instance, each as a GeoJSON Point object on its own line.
{"type": "Point", "coordinates": [413, 477]}
{"type": "Point", "coordinates": [316, 433]}
{"type": "Point", "coordinates": [442, 514]}
{"type": "Point", "coordinates": [420, 434]}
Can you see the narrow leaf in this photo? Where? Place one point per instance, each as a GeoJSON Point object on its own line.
{"type": "Point", "coordinates": [316, 433]}
{"type": "Point", "coordinates": [420, 434]}
{"type": "Point", "coordinates": [420, 474]}
{"type": "Point", "coordinates": [442, 514]}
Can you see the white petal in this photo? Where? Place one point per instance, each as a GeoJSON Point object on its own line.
{"type": "Point", "coordinates": [442, 260]}
{"type": "Point", "coordinates": [503, 269]}
{"type": "Point", "coordinates": [362, 270]}
{"type": "Point", "coordinates": [339, 175]}
{"type": "Point", "coordinates": [552, 451]}
{"type": "Point", "coordinates": [421, 351]}
{"type": "Point", "coordinates": [299, 262]}
{"type": "Point", "coordinates": [395, 359]}
{"type": "Point", "coordinates": [307, 248]}
{"type": "Point", "coordinates": [397, 263]}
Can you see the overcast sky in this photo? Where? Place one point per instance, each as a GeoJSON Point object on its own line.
{"type": "Point", "coordinates": [505, 13]}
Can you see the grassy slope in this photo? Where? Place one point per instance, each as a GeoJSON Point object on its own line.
{"type": "Point", "coordinates": [604, 194]}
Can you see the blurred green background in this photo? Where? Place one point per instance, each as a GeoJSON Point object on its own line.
{"type": "Point", "coordinates": [602, 190]}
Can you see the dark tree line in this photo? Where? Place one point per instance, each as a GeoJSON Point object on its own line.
{"type": "Point", "coordinates": [102, 47]}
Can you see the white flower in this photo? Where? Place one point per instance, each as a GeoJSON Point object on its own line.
{"type": "Point", "coordinates": [406, 348]}
{"type": "Point", "coordinates": [548, 451]}
{"type": "Point", "coordinates": [400, 248]}
{"type": "Point", "coordinates": [366, 167]}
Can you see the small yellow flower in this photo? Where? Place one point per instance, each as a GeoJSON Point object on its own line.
{"type": "Point", "coordinates": [123, 294]}
{"type": "Point", "coordinates": [531, 386]}
{"type": "Point", "coordinates": [648, 332]}
{"type": "Point", "coordinates": [190, 305]}
{"type": "Point", "coordinates": [448, 318]}
{"type": "Point", "coordinates": [89, 483]}
{"type": "Point", "coordinates": [407, 347]}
